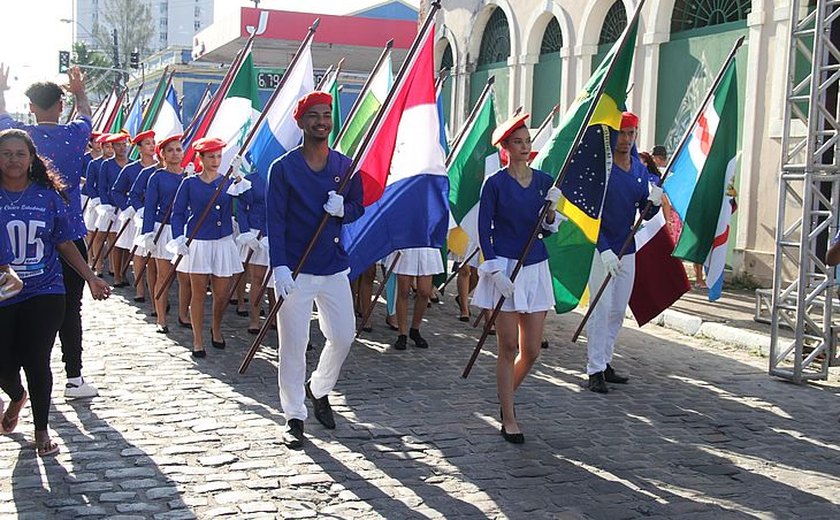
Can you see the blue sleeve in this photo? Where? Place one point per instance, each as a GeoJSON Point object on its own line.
{"type": "Point", "coordinates": [486, 209]}
{"type": "Point", "coordinates": [179, 209]}
{"type": "Point", "coordinates": [276, 202]}
{"type": "Point", "coordinates": [150, 205]}
{"type": "Point", "coordinates": [102, 188]}
{"type": "Point", "coordinates": [353, 201]}
{"type": "Point", "coordinates": [119, 193]}
{"type": "Point", "coordinates": [7, 121]}
{"type": "Point", "coordinates": [63, 230]}
{"type": "Point", "coordinates": [243, 207]}
{"type": "Point", "coordinates": [91, 176]}
{"type": "Point", "coordinates": [6, 254]}
{"type": "Point", "coordinates": [138, 187]}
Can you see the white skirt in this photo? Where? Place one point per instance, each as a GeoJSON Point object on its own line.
{"type": "Point", "coordinates": [126, 240]}
{"type": "Point", "coordinates": [160, 251]}
{"type": "Point", "coordinates": [260, 256]}
{"type": "Point", "coordinates": [90, 217]}
{"type": "Point", "coordinates": [107, 223]}
{"type": "Point", "coordinates": [419, 261]}
{"type": "Point", "coordinates": [532, 291]}
{"type": "Point", "coordinates": [218, 257]}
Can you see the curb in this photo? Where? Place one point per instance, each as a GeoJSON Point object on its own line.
{"type": "Point", "coordinates": [690, 325]}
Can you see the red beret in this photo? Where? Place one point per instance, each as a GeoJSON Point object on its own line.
{"type": "Point", "coordinates": [148, 134]}
{"type": "Point", "coordinates": [103, 138]}
{"type": "Point", "coordinates": [316, 97]}
{"type": "Point", "coordinates": [508, 127]}
{"type": "Point", "coordinates": [161, 145]}
{"type": "Point", "coordinates": [119, 137]}
{"type": "Point", "coordinates": [629, 120]}
{"type": "Point", "coordinates": [94, 136]}
{"type": "Point", "coordinates": [208, 144]}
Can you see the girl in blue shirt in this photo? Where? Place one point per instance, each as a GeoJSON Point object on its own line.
{"type": "Point", "coordinates": [157, 211]}
{"type": "Point", "coordinates": [251, 214]}
{"type": "Point", "coordinates": [34, 215]}
{"type": "Point", "coordinates": [212, 255]}
{"type": "Point", "coordinates": [511, 202]}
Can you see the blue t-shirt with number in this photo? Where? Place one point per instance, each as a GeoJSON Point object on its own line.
{"type": "Point", "coordinates": [35, 221]}
{"type": "Point", "coordinates": [6, 255]}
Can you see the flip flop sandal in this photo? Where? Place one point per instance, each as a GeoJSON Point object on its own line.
{"type": "Point", "coordinates": [46, 448]}
{"type": "Point", "coordinates": [10, 423]}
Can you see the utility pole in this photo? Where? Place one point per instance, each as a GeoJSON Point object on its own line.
{"type": "Point", "coordinates": [118, 77]}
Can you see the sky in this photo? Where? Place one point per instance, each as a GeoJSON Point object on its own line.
{"type": "Point", "coordinates": [32, 55]}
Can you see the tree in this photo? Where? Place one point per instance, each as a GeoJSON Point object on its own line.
{"type": "Point", "coordinates": [133, 21]}
{"type": "Point", "coordinates": [99, 82]}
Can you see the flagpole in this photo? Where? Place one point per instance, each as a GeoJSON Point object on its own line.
{"type": "Point", "coordinates": [113, 115]}
{"type": "Point", "coordinates": [136, 98]}
{"type": "Point", "coordinates": [145, 118]}
{"type": "Point", "coordinates": [455, 272]}
{"type": "Point", "coordinates": [456, 143]}
{"type": "Point", "coordinates": [631, 237]}
{"type": "Point", "coordinates": [368, 137]}
{"type": "Point", "coordinates": [379, 290]}
{"type": "Point", "coordinates": [251, 133]}
{"type": "Point", "coordinates": [547, 121]}
{"type": "Point", "coordinates": [365, 88]}
{"type": "Point", "coordinates": [488, 325]}
{"type": "Point", "coordinates": [100, 110]}
{"type": "Point", "coordinates": [200, 111]}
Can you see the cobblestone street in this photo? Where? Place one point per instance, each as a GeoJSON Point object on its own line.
{"type": "Point", "coordinates": [701, 432]}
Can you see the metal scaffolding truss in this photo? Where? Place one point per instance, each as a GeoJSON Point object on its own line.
{"type": "Point", "coordinates": [809, 194]}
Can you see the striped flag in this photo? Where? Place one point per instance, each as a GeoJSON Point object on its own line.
{"type": "Point", "coordinates": [168, 121]}
{"type": "Point", "coordinates": [699, 179]}
{"type": "Point", "coordinates": [368, 106]}
{"type": "Point", "coordinates": [572, 248]}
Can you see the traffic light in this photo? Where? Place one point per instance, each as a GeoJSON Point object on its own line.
{"type": "Point", "coordinates": [134, 61]}
{"type": "Point", "coordinates": [63, 61]}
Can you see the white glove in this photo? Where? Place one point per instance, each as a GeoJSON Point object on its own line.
{"type": "Point", "coordinates": [335, 204]}
{"type": "Point", "coordinates": [93, 202]}
{"type": "Point", "coordinates": [178, 246]}
{"type": "Point", "coordinates": [249, 239]}
{"type": "Point", "coordinates": [559, 218]}
{"type": "Point", "coordinates": [127, 214]}
{"type": "Point", "coordinates": [235, 165]}
{"type": "Point", "coordinates": [284, 284]}
{"type": "Point", "coordinates": [105, 211]}
{"type": "Point", "coordinates": [553, 196]}
{"type": "Point", "coordinates": [655, 195]}
{"type": "Point", "coordinates": [502, 283]}
{"type": "Point", "coordinates": [10, 284]}
{"type": "Point", "coordinates": [138, 217]}
{"type": "Point", "coordinates": [612, 263]}
{"type": "Point", "coordinates": [146, 241]}
{"type": "Point", "coordinates": [189, 169]}
{"type": "Point", "coordinates": [239, 187]}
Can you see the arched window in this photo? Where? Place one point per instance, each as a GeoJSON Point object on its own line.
{"type": "Point", "coordinates": [693, 14]}
{"type": "Point", "coordinates": [614, 23]}
{"type": "Point", "coordinates": [552, 38]}
{"type": "Point", "coordinates": [447, 61]}
{"type": "Point", "coordinates": [495, 42]}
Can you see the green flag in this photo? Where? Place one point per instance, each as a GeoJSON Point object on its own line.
{"type": "Point", "coordinates": [572, 247]}
{"type": "Point", "coordinates": [336, 110]}
{"type": "Point", "coordinates": [368, 106]}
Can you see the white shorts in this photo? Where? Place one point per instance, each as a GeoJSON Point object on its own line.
{"type": "Point", "coordinates": [419, 261]}
{"type": "Point", "coordinates": [218, 257]}
{"type": "Point", "coordinates": [532, 291]}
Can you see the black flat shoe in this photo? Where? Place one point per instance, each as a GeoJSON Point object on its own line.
{"type": "Point", "coordinates": [120, 285]}
{"type": "Point", "coordinates": [218, 344]}
{"type": "Point", "coordinates": [598, 384]}
{"type": "Point", "coordinates": [391, 327]}
{"type": "Point", "coordinates": [418, 340]}
{"type": "Point", "coordinates": [513, 438]}
{"type": "Point", "coordinates": [185, 324]}
{"type": "Point", "coordinates": [140, 299]}
{"type": "Point", "coordinates": [162, 329]}
{"type": "Point", "coordinates": [199, 354]}
{"type": "Point", "coordinates": [544, 344]}
{"type": "Point", "coordinates": [244, 314]}
{"type": "Point", "coordinates": [253, 330]}
{"type": "Point", "coordinates": [233, 301]}
{"type": "Point", "coordinates": [465, 319]}
{"type": "Point", "coordinates": [401, 342]}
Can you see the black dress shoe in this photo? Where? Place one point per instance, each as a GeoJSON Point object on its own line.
{"type": "Point", "coordinates": [544, 344]}
{"type": "Point", "coordinates": [199, 354]}
{"type": "Point", "coordinates": [293, 436]}
{"type": "Point", "coordinates": [140, 299]}
{"type": "Point", "coordinates": [218, 344]}
{"type": "Point", "coordinates": [611, 377]}
{"type": "Point", "coordinates": [400, 344]}
{"type": "Point", "coordinates": [322, 408]}
{"type": "Point", "coordinates": [185, 324]}
{"type": "Point", "coordinates": [418, 340]}
{"type": "Point", "coordinates": [513, 438]}
{"type": "Point", "coordinates": [597, 383]}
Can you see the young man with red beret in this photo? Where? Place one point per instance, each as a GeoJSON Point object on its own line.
{"type": "Point", "coordinates": [628, 192]}
{"type": "Point", "coordinates": [64, 145]}
{"type": "Point", "coordinates": [302, 186]}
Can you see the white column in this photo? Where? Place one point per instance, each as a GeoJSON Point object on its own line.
{"type": "Point", "coordinates": [568, 90]}
{"type": "Point", "coordinates": [525, 68]}
{"type": "Point", "coordinates": [583, 64]}
{"type": "Point", "coordinates": [643, 99]}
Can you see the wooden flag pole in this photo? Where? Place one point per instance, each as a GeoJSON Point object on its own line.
{"type": "Point", "coordinates": [455, 272]}
{"type": "Point", "coordinates": [488, 325]}
{"type": "Point", "coordinates": [368, 137]}
{"type": "Point", "coordinates": [638, 224]}
{"type": "Point", "coordinates": [379, 290]}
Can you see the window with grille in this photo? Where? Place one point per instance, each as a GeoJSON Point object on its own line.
{"type": "Point", "coordinates": [495, 42]}
{"type": "Point", "coordinates": [614, 23]}
{"type": "Point", "coordinates": [693, 14]}
{"type": "Point", "coordinates": [552, 38]}
{"type": "Point", "coordinates": [446, 61]}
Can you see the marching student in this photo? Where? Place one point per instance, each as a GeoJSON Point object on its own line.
{"type": "Point", "coordinates": [91, 190]}
{"type": "Point", "coordinates": [511, 202]}
{"type": "Point", "coordinates": [302, 185]}
{"type": "Point", "coordinates": [64, 146]}
{"type": "Point", "coordinates": [212, 256]}
{"type": "Point", "coordinates": [35, 215]}
{"type": "Point", "coordinates": [627, 193]}
{"type": "Point", "coordinates": [157, 211]}
{"type": "Point", "coordinates": [107, 209]}
{"type": "Point", "coordinates": [420, 264]}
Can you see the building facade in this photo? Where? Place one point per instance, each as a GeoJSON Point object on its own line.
{"type": "Point", "coordinates": [541, 52]}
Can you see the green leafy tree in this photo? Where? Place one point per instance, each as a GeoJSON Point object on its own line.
{"type": "Point", "coordinates": [98, 82]}
{"type": "Point", "coordinates": [133, 21]}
